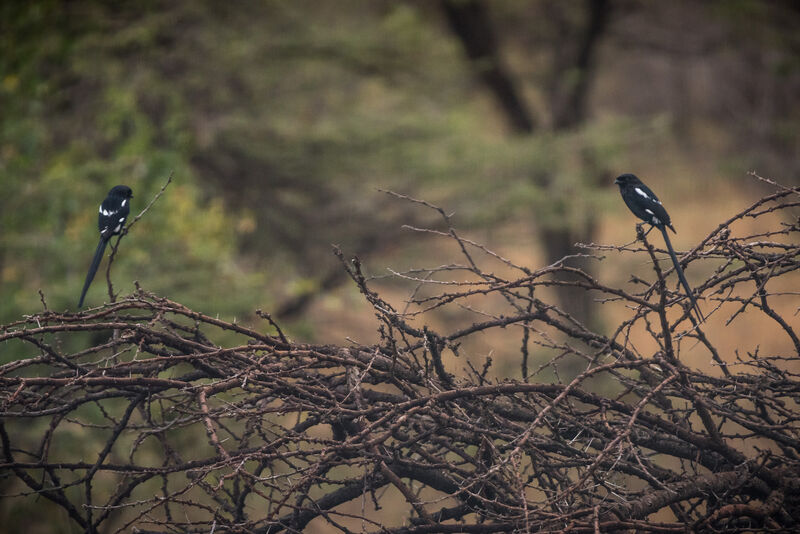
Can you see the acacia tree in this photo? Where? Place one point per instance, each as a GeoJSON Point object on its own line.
{"type": "Point", "coordinates": [539, 61]}
{"type": "Point", "coordinates": [567, 89]}
{"type": "Point", "coordinates": [181, 422]}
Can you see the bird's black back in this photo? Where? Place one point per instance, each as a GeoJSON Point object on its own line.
{"type": "Point", "coordinates": [114, 211]}
{"type": "Point", "coordinates": [642, 201]}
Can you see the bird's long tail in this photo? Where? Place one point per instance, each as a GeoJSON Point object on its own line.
{"type": "Point", "coordinates": [681, 277]}
{"type": "Point", "coordinates": [98, 255]}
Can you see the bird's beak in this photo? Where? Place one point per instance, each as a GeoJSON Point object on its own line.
{"type": "Point", "coordinates": [617, 181]}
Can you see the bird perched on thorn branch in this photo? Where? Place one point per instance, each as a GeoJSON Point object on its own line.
{"type": "Point", "coordinates": [645, 205]}
{"type": "Point", "coordinates": [113, 212]}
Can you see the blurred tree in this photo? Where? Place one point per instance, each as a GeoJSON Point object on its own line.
{"type": "Point", "coordinates": [78, 119]}
{"type": "Point", "coordinates": [730, 84]}
{"type": "Point", "coordinates": [572, 69]}
{"type": "Point", "coordinates": [280, 119]}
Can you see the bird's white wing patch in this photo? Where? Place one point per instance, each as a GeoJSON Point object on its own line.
{"type": "Point", "coordinates": [656, 221]}
{"type": "Point", "coordinates": [645, 195]}
{"type": "Point", "coordinates": [125, 201]}
{"type": "Point", "coordinates": [117, 229]}
{"type": "Point", "coordinates": [105, 213]}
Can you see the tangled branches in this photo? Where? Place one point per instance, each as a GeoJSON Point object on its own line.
{"type": "Point", "coordinates": [160, 426]}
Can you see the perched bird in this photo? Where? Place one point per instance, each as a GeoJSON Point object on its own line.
{"type": "Point", "coordinates": [645, 205]}
{"type": "Point", "coordinates": [113, 212]}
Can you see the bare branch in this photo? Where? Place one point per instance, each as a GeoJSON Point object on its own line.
{"type": "Point", "coordinates": [189, 423]}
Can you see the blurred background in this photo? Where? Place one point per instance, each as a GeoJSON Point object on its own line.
{"type": "Point", "coordinates": [282, 120]}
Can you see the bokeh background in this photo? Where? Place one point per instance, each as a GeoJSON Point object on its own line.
{"type": "Point", "coordinates": [282, 120]}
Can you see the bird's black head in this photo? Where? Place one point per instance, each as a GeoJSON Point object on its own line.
{"type": "Point", "coordinates": [628, 180]}
{"type": "Point", "coordinates": [121, 191]}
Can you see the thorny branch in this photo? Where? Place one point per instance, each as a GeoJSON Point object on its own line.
{"type": "Point", "coordinates": [188, 423]}
{"type": "Point", "coordinates": [111, 295]}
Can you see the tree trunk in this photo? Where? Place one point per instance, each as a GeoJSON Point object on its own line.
{"type": "Point", "coordinates": [469, 20]}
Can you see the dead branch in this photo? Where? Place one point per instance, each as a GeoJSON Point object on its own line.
{"type": "Point", "coordinates": [163, 428]}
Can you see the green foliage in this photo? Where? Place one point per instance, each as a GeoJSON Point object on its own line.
{"type": "Point", "coordinates": [280, 120]}
{"type": "Point", "coordinates": [78, 119]}
{"type": "Point", "coordinates": [292, 113]}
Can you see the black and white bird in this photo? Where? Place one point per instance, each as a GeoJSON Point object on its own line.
{"type": "Point", "coordinates": [113, 212]}
{"type": "Point", "coordinates": [645, 205]}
